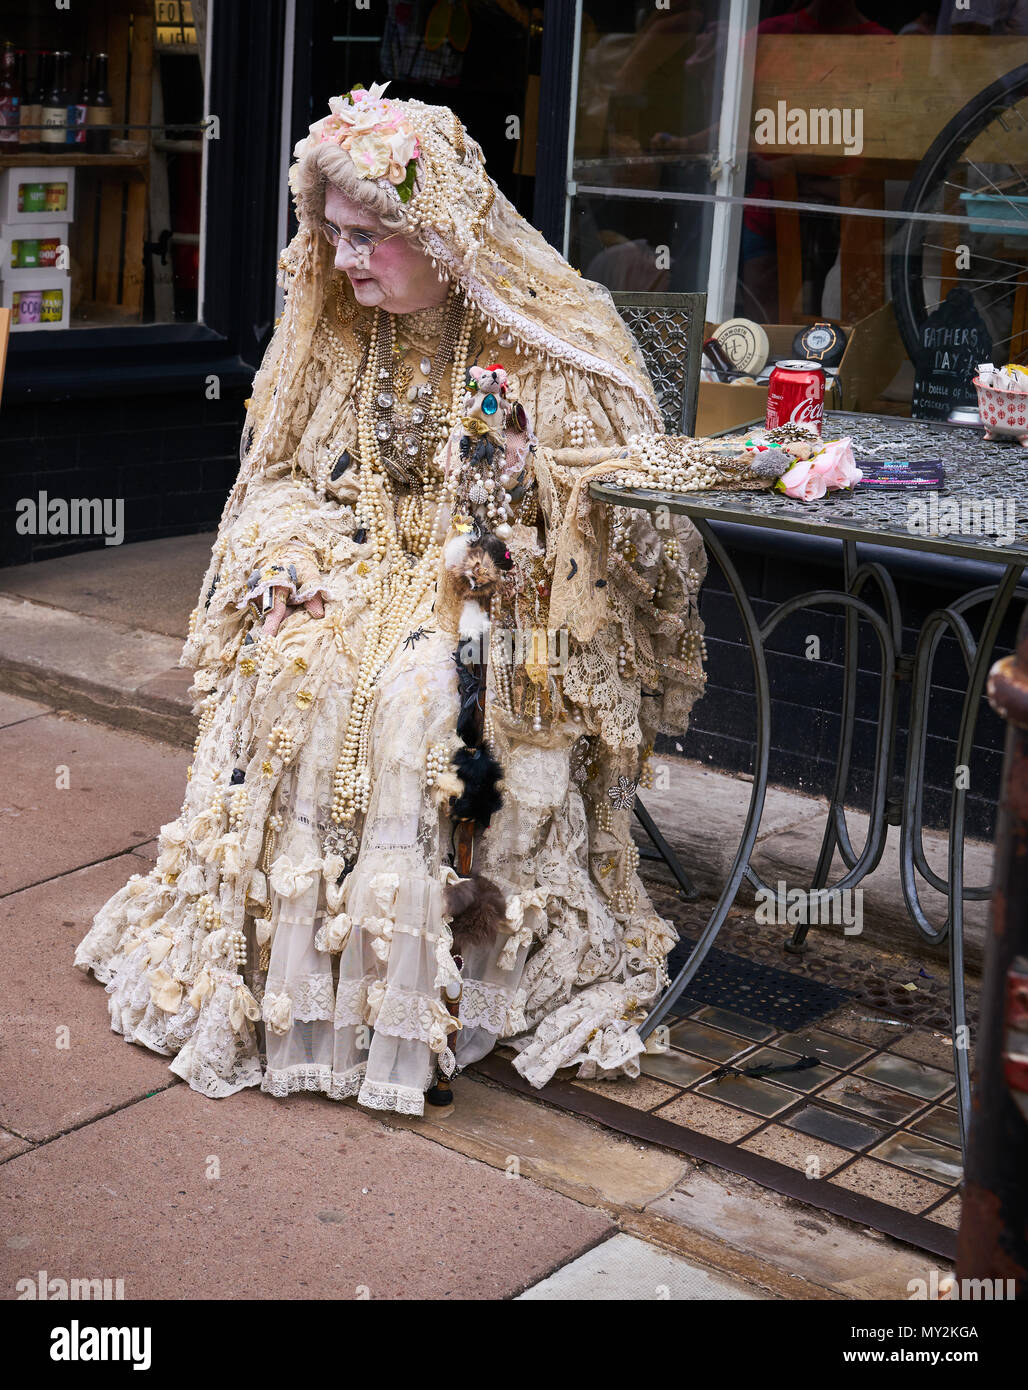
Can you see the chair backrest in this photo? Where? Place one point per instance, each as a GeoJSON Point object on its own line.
{"type": "Point", "coordinates": [669, 330]}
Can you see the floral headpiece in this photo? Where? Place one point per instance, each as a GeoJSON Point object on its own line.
{"type": "Point", "coordinates": [375, 134]}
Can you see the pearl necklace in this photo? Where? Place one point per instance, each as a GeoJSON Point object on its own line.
{"type": "Point", "coordinates": [398, 588]}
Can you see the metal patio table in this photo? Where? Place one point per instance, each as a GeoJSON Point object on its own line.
{"type": "Point", "coordinates": [975, 470]}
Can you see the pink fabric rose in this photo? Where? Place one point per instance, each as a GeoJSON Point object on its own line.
{"type": "Point", "coordinates": [833, 468]}
{"type": "Point", "coordinates": [836, 464]}
{"type": "Point", "coordinates": [802, 482]}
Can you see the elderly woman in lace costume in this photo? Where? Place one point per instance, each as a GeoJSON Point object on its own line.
{"type": "Point", "coordinates": [429, 669]}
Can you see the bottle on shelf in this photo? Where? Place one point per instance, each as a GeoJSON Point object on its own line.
{"type": "Point", "coordinates": [98, 112]}
{"type": "Point", "coordinates": [54, 103]}
{"type": "Point", "coordinates": [77, 109]}
{"type": "Point", "coordinates": [10, 98]}
{"type": "Point", "coordinates": [28, 115]}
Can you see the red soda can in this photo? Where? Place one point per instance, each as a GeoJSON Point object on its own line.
{"type": "Point", "coordinates": [796, 395]}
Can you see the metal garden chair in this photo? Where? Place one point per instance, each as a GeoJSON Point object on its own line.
{"type": "Point", "coordinates": [669, 330]}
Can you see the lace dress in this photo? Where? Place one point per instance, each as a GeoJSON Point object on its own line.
{"type": "Point", "coordinates": [267, 948]}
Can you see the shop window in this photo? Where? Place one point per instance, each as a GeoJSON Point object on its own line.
{"type": "Point", "coordinates": [101, 153]}
{"type": "Point", "coordinates": [861, 165]}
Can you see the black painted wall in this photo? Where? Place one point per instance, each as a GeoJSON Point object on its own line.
{"type": "Point", "coordinates": [172, 458]}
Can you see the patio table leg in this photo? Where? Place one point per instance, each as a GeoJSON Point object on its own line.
{"type": "Point", "coordinates": [755, 809]}
{"type": "Point", "coordinates": [913, 860]}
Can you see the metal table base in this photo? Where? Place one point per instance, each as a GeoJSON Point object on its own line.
{"type": "Point", "coordinates": [897, 666]}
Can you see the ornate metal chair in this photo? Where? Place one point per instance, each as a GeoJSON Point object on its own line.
{"type": "Point", "coordinates": [669, 330]}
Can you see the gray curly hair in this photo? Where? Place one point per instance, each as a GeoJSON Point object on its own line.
{"type": "Point", "coordinates": [328, 164]}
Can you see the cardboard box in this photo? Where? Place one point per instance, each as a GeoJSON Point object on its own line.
{"type": "Point", "coordinates": [15, 282]}
{"type": "Point", "coordinates": [11, 232]}
{"type": "Point", "coordinates": [874, 354]}
{"type": "Point", "coordinates": [11, 180]}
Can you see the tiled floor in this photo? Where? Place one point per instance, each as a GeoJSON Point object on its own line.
{"type": "Point", "coordinates": [874, 1116]}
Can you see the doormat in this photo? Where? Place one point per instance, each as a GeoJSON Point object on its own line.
{"type": "Point", "coordinates": [761, 992]}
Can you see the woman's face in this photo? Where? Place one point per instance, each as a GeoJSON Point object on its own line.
{"type": "Point", "coordinates": [396, 276]}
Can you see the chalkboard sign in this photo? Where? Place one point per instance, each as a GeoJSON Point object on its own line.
{"type": "Point", "coordinates": [954, 339]}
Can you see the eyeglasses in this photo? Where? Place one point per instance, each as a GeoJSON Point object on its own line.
{"type": "Point", "coordinates": [362, 244]}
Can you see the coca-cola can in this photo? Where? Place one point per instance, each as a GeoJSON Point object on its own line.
{"type": "Point", "coordinates": [796, 395]}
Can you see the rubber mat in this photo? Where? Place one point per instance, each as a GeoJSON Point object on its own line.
{"type": "Point", "coordinates": [756, 991]}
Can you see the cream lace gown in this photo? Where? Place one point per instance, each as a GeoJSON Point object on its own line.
{"type": "Point", "coordinates": [266, 948]}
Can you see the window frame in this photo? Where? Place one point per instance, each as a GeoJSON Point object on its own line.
{"type": "Point", "coordinates": [239, 237]}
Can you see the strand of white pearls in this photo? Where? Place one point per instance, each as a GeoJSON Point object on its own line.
{"type": "Point", "coordinates": [674, 464]}
{"type": "Point", "coordinates": [391, 531]}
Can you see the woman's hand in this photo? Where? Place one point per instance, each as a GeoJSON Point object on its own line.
{"type": "Point", "coordinates": [315, 607]}
{"type": "Point", "coordinates": [301, 567]}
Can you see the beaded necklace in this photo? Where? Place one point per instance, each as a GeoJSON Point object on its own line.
{"type": "Point", "coordinates": [405, 540]}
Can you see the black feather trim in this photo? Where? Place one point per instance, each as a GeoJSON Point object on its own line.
{"type": "Point", "coordinates": [469, 690]}
{"type": "Point", "coordinates": [481, 799]}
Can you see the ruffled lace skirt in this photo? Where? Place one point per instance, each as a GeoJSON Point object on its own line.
{"type": "Point", "coordinates": [284, 970]}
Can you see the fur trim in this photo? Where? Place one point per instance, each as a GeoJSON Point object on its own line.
{"type": "Point", "coordinates": [478, 909]}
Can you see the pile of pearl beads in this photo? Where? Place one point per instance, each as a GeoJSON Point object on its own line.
{"type": "Point", "coordinates": [673, 464]}
{"type": "Point", "coordinates": [437, 760]}
{"type": "Point", "coordinates": [237, 947]}
{"type": "Point", "coordinates": [280, 741]}
{"type": "Point", "coordinates": [237, 804]}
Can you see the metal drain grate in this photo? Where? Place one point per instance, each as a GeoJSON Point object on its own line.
{"type": "Point", "coordinates": [756, 991]}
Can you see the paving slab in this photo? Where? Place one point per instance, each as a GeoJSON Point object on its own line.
{"type": "Point", "coordinates": [791, 854]}
{"type": "Point", "coordinates": [121, 789]}
{"type": "Point", "coordinates": [96, 667]}
{"type": "Point", "coordinates": [55, 1080]}
{"type": "Point", "coordinates": [150, 584]}
{"type": "Point", "coordinates": [707, 843]}
{"type": "Point", "coordinates": [14, 710]}
{"type": "Point", "coordinates": [519, 1135]}
{"type": "Point", "coordinates": [185, 1197]}
{"type": "Point", "coordinates": [11, 1144]}
{"type": "Point", "coordinates": [625, 1268]}
{"type": "Point", "coordinates": [813, 1244]}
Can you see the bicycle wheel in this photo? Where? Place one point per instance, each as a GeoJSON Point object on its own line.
{"type": "Point", "coordinates": [969, 219]}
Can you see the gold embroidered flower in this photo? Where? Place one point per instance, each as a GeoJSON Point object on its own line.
{"type": "Point", "coordinates": [299, 664]}
{"type": "Point", "coordinates": [266, 768]}
{"type": "Point", "coordinates": [304, 698]}
{"type": "Point", "coordinates": [247, 665]}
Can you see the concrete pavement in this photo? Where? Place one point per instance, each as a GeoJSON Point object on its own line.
{"type": "Point", "coordinates": [110, 1167]}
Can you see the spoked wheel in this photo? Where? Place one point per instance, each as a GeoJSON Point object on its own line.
{"type": "Point", "coordinates": [969, 200]}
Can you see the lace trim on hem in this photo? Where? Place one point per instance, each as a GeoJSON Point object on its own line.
{"type": "Point", "coordinates": [101, 969]}
{"type": "Point", "coordinates": [309, 1076]}
{"type": "Point", "coordinates": [203, 1078]}
{"type": "Point", "coordinates": [485, 1006]}
{"type": "Point", "coordinates": [313, 996]}
{"type": "Point", "coordinates": [386, 1095]}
